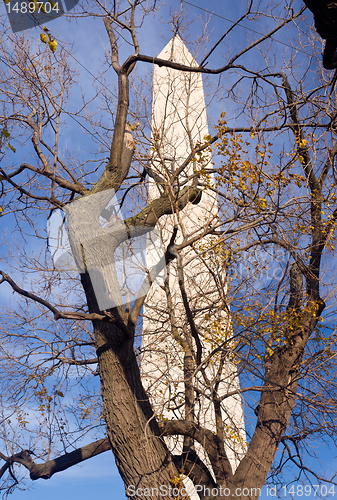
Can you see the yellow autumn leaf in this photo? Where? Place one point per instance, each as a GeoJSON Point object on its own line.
{"type": "Point", "coordinates": [12, 148]}
{"type": "Point", "coordinates": [5, 133]}
{"type": "Point", "coordinates": [45, 28]}
{"type": "Point", "coordinates": [43, 8]}
{"type": "Point", "coordinates": [35, 6]}
{"type": "Point", "coordinates": [52, 44]}
{"type": "Point", "coordinates": [1, 210]}
{"type": "Point", "coordinates": [7, 1]}
{"type": "Point", "coordinates": [43, 37]}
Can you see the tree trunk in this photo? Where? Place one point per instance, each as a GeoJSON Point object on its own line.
{"type": "Point", "coordinates": [141, 455]}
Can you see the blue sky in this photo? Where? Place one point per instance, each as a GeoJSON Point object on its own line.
{"type": "Point", "coordinates": [86, 39]}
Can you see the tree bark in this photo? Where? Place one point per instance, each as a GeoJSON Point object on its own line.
{"type": "Point", "coordinates": [141, 455]}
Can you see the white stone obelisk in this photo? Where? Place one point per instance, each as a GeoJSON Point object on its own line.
{"type": "Point", "coordinates": [179, 122]}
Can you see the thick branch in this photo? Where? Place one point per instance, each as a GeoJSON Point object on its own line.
{"type": "Point", "coordinates": [171, 64]}
{"type": "Point", "coordinates": [75, 187]}
{"type": "Point", "coordinates": [302, 149]}
{"type": "Point", "coordinates": [296, 287]}
{"type": "Point", "coordinates": [121, 144]}
{"type": "Point", "coordinates": [210, 442]}
{"type": "Point", "coordinates": [118, 167]}
{"type": "Point", "coordinates": [38, 151]}
{"type": "Point", "coordinates": [199, 69]}
{"type": "Point", "coordinates": [318, 234]}
{"type": "Point", "coordinates": [190, 465]}
{"type": "Point", "coordinates": [77, 362]}
{"type": "Point", "coordinates": [23, 191]}
{"type": "Point", "coordinates": [188, 311]}
{"type": "Point", "coordinates": [328, 164]}
{"type": "Point", "coordinates": [164, 205]}
{"type": "Point", "coordinates": [113, 44]}
{"type": "Point", "coordinates": [57, 314]}
{"type": "Point", "coordinates": [49, 468]}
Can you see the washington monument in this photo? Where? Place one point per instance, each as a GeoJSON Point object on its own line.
{"type": "Point", "coordinates": [187, 318]}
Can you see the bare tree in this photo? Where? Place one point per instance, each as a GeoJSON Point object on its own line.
{"type": "Point", "coordinates": [273, 237]}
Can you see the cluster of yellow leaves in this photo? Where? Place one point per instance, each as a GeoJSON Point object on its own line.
{"type": "Point", "coordinates": [231, 435]}
{"type": "Point", "coordinates": [256, 180]}
{"type": "Point", "coordinates": [202, 160]}
{"type": "Point", "coordinates": [264, 329]}
{"type": "Point", "coordinates": [268, 328]}
{"type": "Point", "coordinates": [22, 418]}
{"type": "Point", "coordinates": [6, 134]}
{"type": "Point", "coordinates": [52, 42]}
{"type": "Point", "coordinates": [176, 480]}
{"type": "Point", "coordinates": [85, 412]}
{"type": "Point", "coordinates": [218, 330]}
{"type": "Point", "coordinates": [45, 397]}
{"type": "Point", "coordinates": [257, 183]}
{"type": "Point", "coordinates": [220, 252]}
{"type": "Point", "coordinates": [135, 125]}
